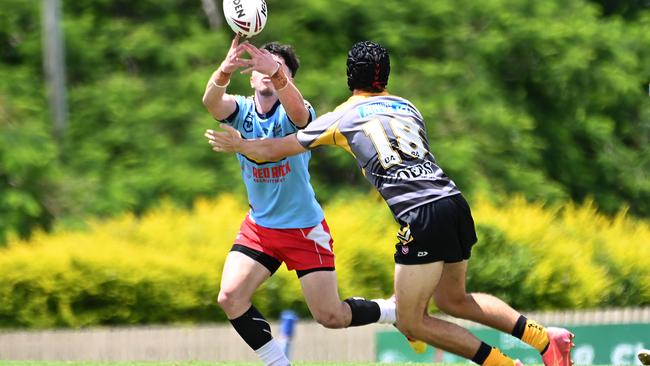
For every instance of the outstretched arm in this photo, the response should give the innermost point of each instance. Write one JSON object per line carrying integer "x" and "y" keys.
{"x": 215, "y": 99}
{"x": 268, "y": 149}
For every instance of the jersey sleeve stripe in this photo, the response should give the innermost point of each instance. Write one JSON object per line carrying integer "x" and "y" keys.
{"x": 327, "y": 137}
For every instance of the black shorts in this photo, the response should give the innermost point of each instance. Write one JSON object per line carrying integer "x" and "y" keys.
{"x": 442, "y": 230}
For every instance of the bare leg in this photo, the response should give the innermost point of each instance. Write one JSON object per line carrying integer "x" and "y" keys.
{"x": 240, "y": 277}
{"x": 322, "y": 296}
{"x": 414, "y": 287}
{"x": 450, "y": 297}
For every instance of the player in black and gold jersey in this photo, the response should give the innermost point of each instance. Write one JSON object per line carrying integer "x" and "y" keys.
{"x": 387, "y": 136}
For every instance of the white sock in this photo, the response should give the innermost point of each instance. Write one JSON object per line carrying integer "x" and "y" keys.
{"x": 387, "y": 311}
{"x": 272, "y": 355}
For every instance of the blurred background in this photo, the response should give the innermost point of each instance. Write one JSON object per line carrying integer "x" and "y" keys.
{"x": 114, "y": 211}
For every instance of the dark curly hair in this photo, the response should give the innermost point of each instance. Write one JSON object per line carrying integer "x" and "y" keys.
{"x": 368, "y": 67}
{"x": 287, "y": 53}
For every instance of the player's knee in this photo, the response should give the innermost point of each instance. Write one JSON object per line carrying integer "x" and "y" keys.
{"x": 225, "y": 300}
{"x": 409, "y": 329}
{"x": 230, "y": 301}
{"x": 450, "y": 304}
{"x": 444, "y": 304}
{"x": 329, "y": 319}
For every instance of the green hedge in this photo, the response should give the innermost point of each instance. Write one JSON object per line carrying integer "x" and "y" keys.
{"x": 164, "y": 267}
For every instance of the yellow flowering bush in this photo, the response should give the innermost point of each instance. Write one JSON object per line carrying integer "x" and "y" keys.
{"x": 164, "y": 266}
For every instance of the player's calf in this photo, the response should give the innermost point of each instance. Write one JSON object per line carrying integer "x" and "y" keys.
{"x": 333, "y": 318}
{"x": 371, "y": 311}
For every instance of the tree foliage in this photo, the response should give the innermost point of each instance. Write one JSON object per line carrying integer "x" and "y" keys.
{"x": 547, "y": 99}
{"x": 629, "y": 9}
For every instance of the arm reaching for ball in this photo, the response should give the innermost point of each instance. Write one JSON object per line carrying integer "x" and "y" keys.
{"x": 268, "y": 149}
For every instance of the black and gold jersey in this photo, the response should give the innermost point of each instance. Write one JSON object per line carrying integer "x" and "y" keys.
{"x": 387, "y": 136}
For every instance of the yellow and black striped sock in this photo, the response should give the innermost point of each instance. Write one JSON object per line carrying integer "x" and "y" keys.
{"x": 496, "y": 358}
{"x": 482, "y": 353}
{"x": 532, "y": 333}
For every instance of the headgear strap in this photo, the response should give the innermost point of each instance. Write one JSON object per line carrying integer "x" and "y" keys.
{"x": 376, "y": 84}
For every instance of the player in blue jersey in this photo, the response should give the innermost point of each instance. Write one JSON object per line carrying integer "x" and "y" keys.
{"x": 285, "y": 222}
{"x": 386, "y": 134}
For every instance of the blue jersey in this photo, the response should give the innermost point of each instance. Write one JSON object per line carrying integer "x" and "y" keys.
{"x": 279, "y": 193}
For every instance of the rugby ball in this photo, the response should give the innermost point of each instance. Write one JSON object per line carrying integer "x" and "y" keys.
{"x": 245, "y": 17}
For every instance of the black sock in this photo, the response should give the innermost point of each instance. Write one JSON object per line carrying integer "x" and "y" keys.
{"x": 520, "y": 326}
{"x": 253, "y": 328}
{"x": 482, "y": 353}
{"x": 363, "y": 311}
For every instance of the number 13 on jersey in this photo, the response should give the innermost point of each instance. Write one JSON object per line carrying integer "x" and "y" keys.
{"x": 407, "y": 134}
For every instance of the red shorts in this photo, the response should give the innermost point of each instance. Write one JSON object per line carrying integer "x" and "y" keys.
{"x": 300, "y": 249}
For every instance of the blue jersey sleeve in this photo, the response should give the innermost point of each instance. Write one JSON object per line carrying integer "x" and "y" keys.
{"x": 237, "y": 117}
{"x": 312, "y": 116}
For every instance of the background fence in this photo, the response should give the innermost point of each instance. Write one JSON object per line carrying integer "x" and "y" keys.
{"x": 220, "y": 342}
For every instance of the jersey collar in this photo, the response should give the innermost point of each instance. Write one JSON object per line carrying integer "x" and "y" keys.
{"x": 363, "y": 94}
{"x": 359, "y": 96}
{"x": 270, "y": 112}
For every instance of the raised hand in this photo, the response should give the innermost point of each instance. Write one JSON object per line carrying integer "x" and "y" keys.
{"x": 261, "y": 60}
{"x": 233, "y": 59}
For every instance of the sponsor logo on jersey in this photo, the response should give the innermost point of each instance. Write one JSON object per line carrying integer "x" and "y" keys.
{"x": 422, "y": 254}
{"x": 404, "y": 235}
{"x": 274, "y": 174}
{"x": 427, "y": 169}
{"x": 384, "y": 107}
{"x": 277, "y": 131}
{"x": 248, "y": 122}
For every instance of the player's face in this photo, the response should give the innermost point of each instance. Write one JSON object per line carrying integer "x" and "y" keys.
{"x": 262, "y": 83}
